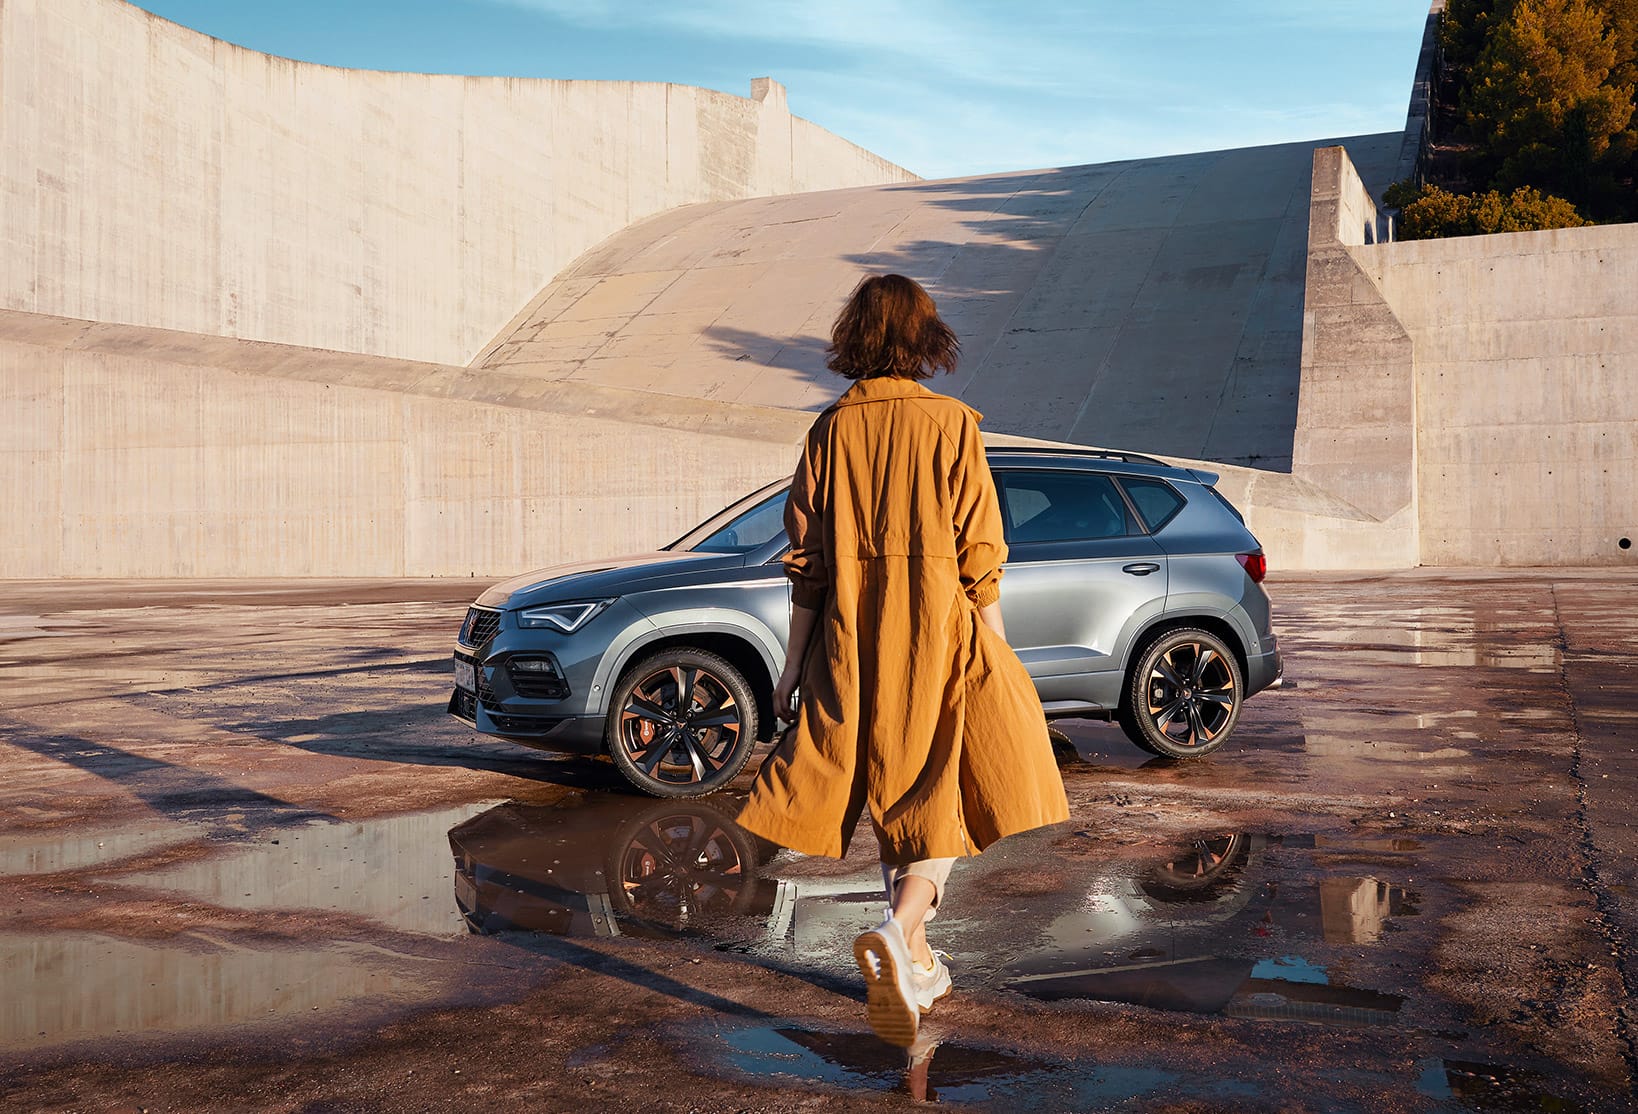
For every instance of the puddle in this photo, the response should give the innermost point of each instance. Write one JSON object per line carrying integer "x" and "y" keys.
{"x": 1441, "y": 637}
{"x": 931, "y": 1071}
{"x": 1202, "y": 931}
{"x": 1490, "y": 1087}
{"x": 599, "y": 865}
{"x": 51, "y": 853}
{"x": 395, "y": 871}
{"x": 1207, "y": 927}
{"x": 69, "y": 987}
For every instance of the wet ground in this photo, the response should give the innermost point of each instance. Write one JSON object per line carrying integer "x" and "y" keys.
{"x": 247, "y": 863}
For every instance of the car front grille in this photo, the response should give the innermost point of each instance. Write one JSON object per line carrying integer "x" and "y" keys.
{"x": 463, "y": 705}
{"x": 523, "y": 725}
{"x": 480, "y": 625}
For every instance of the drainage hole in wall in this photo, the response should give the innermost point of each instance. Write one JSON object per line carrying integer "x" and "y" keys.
{"x": 1625, "y": 543}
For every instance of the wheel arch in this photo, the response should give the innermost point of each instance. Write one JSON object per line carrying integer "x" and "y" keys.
{"x": 738, "y": 647}
{"x": 1211, "y": 624}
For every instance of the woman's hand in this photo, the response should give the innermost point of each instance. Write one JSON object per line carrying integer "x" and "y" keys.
{"x": 803, "y": 620}
{"x": 784, "y": 699}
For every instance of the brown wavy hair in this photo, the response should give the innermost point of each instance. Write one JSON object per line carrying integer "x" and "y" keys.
{"x": 891, "y": 326}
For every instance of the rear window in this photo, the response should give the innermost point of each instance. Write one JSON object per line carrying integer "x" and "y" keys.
{"x": 1223, "y": 499}
{"x": 1156, "y": 500}
{"x": 1063, "y": 506}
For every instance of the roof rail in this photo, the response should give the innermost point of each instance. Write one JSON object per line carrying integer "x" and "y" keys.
{"x": 1054, "y": 450}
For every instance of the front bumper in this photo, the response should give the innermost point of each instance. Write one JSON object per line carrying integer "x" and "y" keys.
{"x": 571, "y": 734}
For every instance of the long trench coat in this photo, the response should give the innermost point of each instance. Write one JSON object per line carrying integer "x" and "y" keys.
{"x": 910, "y": 705}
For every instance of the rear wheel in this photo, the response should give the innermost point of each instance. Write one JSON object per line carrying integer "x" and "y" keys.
{"x": 1184, "y": 694}
{"x": 681, "y": 723}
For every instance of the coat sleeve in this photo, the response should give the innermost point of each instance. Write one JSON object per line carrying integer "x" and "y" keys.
{"x": 980, "y": 550}
{"x": 806, "y": 563}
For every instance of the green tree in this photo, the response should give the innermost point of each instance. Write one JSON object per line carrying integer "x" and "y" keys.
{"x": 1623, "y": 20}
{"x": 1465, "y": 28}
{"x": 1539, "y": 100}
{"x": 1428, "y": 212}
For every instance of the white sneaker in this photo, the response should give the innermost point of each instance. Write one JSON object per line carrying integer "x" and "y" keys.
{"x": 891, "y": 1003}
{"x": 931, "y": 985}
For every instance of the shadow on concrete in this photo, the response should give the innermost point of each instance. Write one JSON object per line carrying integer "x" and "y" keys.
{"x": 183, "y": 794}
{"x": 393, "y": 734}
{"x": 1153, "y": 305}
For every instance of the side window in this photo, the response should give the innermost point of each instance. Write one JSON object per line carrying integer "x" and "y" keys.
{"x": 1063, "y": 506}
{"x": 755, "y": 528}
{"x": 1156, "y": 500}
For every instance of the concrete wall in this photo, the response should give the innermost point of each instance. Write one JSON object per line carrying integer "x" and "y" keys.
{"x": 131, "y": 452}
{"x": 1474, "y": 394}
{"x": 1356, "y": 411}
{"x": 141, "y": 452}
{"x": 152, "y": 175}
{"x": 1153, "y": 304}
{"x": 1526, "y": 364}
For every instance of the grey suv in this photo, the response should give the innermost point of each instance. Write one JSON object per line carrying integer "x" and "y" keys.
{"x": 1133, "y": 591}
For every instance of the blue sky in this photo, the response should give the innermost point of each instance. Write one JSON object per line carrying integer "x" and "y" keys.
{"x": 944, "y": 87}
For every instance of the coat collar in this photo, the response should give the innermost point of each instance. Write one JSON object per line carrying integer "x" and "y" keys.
{"x": 883, "y": 388}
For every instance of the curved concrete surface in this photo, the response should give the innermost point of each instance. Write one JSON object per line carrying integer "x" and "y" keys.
{"x": 1154, "y": 305}
{"x": 154, "y": 176}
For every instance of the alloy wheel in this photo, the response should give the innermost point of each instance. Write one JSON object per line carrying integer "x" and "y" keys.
{"x": 1183, "y": 694}
{"x": 683, "y": 723}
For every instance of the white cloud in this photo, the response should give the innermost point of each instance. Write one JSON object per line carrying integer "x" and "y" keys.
{"x": 1055, "y": 49}
{"x": 953, "y": 87}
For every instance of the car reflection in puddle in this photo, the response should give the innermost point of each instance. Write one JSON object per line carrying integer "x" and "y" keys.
{"x": 610, "y": 866}
{"x": 1166, "y": 938}
{"x": 1198, "y": 931}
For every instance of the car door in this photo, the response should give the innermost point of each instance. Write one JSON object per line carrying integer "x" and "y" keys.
{"x": 1081, "y": 573}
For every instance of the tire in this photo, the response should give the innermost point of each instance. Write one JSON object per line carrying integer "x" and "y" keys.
{"x": 1183, "y": 696}
{"x": 687, "y": 751}
{"x": 1200, "y": 872}
{"x": 1063, "y": 748}
{"x": 681, "y": 866}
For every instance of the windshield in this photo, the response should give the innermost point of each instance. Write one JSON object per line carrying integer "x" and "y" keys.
{"x": 749, "y": 524}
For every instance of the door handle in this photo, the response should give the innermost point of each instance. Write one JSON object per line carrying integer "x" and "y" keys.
{"x": 1141, "y": 568}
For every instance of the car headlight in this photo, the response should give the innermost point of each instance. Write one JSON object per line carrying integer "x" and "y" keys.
{"x": 566, "y": 617}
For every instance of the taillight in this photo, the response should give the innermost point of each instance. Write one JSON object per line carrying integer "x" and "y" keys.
{"x": 1255, "y": 564}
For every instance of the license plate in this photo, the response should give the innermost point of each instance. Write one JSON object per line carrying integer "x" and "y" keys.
{"x": 466, "y": 677}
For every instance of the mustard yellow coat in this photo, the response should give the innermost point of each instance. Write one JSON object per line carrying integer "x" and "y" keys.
{"x": 910, "y": 705}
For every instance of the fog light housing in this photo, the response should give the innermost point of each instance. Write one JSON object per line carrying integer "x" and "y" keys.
{"x": 537, "y": 677}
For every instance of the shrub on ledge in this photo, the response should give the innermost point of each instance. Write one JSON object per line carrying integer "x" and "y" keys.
{"x": 1428, "y": 212}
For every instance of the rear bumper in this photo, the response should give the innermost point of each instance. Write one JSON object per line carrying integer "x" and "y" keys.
{"x": 1265, "y": 670}
{"x": 570, "y": 734}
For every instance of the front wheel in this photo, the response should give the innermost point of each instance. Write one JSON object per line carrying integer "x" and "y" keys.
{"x": 681, "y": 723}
{"x": 1184, "y": 694}
{"x": 682, "y": 866}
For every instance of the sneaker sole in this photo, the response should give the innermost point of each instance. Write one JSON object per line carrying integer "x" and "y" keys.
{"x": 893, "y": 1019}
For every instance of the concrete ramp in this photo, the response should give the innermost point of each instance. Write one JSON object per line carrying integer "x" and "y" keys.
{"x": 1153, "y": 305}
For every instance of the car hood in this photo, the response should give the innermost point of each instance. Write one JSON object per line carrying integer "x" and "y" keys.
{"x": 610, "y": 577}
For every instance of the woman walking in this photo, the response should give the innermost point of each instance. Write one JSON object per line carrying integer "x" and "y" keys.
{"x": 912, "y": 704}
